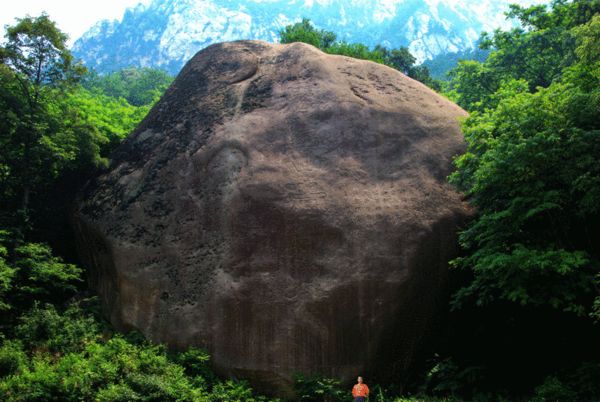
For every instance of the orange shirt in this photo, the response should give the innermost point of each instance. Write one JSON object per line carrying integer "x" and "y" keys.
{"x": 360, "y": 390}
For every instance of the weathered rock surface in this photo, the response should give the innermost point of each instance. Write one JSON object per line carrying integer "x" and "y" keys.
{"x": 286, "y": 209}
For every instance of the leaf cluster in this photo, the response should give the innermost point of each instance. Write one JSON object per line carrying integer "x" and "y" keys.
{"x": 529, "y": 289}
{"x": 531, "y": 170}
{"x": 401, "y": 59}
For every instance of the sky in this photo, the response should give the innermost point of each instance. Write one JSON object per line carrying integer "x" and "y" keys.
{"x": 73, "y": 17}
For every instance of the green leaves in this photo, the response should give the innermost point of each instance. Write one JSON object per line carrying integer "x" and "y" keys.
{"x": 70, "y": 356}
{"x": 306, "y": 32}
{"x": 531, "y": 168}
{"x": 137, "y": 86}
{"x": 529, "y": 277}
{"x": 553, "y": 40}
{"x": 7, "y": 276}
{"x": 36, "y": 50}
{"x": 52, "y": 130}
{"x": 401, "y": 59}
{"x": 43, "y": 274}
{"x": 32, "y": 274}
{"x": 36, "y": 69}
{"x": 313, "y": 389}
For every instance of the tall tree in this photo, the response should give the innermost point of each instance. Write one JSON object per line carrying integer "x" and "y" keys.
{"x": 538, "y": 52}
{"x": 531, "y": 259}
{"x": 36, "y": 67}
{"x": 306, "y": 32}
{"x": 401, "y": 59}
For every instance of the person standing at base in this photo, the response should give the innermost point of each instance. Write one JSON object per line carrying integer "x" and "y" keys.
{"x": 360, "y": 391}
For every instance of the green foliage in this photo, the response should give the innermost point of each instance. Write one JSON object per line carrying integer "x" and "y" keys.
{"x": 441, "y": 64}
{"x": 35, "y": 68}
{"x": 46, "y": 328}
{"x": 306, "y": 32}
{"x": 12, "y": 358}
{"x": 33, "y": 274}
{"x": 595, "y": 314}
{"x": 49, "y": 353}
{"x": 112, "y": 371}
{"x": 111, "y": 118}
{"x": 54, "y": 131}
{"x": 471, "y": 85}
{"x": 355, "y": 50}
{"x": 234, "y": 391}
{"x": 36, "y": 50}
{"x": 196, "y": 363}
{"x": 531, "y": 171}
{"x": 531, "y": 258}
{"x": 539, "y": 52}
{"x": 448, "y": 378}
{"x": 319, "y": 389}
{"x": 400, "y": 59}
{"x": 7, "y": 274}
{"x": 137, "y": 86}
{"x": 42, "y": 276}
{"x": 69, "y": 356}
{"x": 553, "y": 390}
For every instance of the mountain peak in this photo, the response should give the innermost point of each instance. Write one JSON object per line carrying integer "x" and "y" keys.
{"x": 167, "y": 33}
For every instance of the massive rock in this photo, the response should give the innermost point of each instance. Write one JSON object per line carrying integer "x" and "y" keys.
{"x": 286, "y": 209}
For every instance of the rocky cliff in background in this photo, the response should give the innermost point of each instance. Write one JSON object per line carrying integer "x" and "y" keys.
{"x": 167, "y": 33}
{"x": 286, "y": 209}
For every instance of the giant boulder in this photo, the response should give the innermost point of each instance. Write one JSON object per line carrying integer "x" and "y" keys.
{"x": 286, "y": 209}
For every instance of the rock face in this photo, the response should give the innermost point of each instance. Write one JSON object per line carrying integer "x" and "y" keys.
{"x": 286, "y": 209}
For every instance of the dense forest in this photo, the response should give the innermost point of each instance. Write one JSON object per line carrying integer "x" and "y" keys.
{"x": 524, "y": 313}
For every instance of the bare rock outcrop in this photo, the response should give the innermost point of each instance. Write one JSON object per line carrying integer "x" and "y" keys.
{"x": 286, "y": 209}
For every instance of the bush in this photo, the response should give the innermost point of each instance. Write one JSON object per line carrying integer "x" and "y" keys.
{"x": 196, "y": 363}
{"x": 12, "y": 357}
{"x": 317, "y": 389}
{"x": 553, "y": 390}
{"x": 45, "y": 327}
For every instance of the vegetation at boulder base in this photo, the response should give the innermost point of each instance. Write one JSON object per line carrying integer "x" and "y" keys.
{"x": 524, "y": 313}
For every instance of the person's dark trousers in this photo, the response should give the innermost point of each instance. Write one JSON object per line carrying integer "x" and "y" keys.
{"x": 360, "y": 399}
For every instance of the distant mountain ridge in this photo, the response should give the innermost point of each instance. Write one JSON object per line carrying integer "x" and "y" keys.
{"x": 167, "y": 33}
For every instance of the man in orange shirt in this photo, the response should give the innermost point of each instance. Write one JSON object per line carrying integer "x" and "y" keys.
{"x": 360, "y": 391}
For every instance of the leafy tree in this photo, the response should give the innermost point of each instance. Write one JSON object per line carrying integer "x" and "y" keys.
{"x": 7, "y": 275}
{"x": 531, "y": 171}
{"x": 306, "y": 32}
{"x": 539, "y": 52}
{"x": 45, "y": 327}
{"x": 32, "y": 274}
{"x": 400, "y": 59}
{"x": 472, "y": 85}
{"x": 531, "y": 260}
{"x": 54, "y": 133}
{"x": 355, "y": 50}
{"x": 138, "y": 86}
{"x": 110, "y": 118}
{"x": 36, "y": 58}
{"x": 441, "y": 64}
